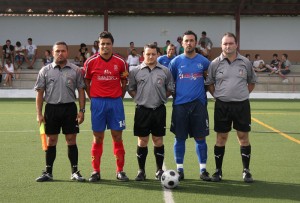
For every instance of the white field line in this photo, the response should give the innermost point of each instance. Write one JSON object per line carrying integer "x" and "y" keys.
{"x": 168, "y": 196}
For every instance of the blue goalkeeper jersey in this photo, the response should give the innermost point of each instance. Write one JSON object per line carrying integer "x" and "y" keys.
{"x": 188, "y": 77}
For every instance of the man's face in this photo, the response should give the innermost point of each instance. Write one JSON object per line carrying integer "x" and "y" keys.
{"x": 105, "y": 47}
{"x": 29, "y": 42}
{"x": 228, "y": 45}
{"x": 60, "y": 54}
{"x": 170, "y": 51}
{"x": 150, "y": 56}
{"x": 189, "y": 43}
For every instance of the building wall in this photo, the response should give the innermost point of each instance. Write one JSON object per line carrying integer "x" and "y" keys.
{"x": 262, "y": 35}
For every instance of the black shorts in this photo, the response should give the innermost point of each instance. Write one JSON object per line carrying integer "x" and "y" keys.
{"x": 190, "y": 119}
{"x": 147, "y": 120}
{"x": 59, "y": 116}
{"x": 232, "y": 113}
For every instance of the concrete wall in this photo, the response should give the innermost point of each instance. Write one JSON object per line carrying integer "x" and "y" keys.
{"x": 263, "y": 35}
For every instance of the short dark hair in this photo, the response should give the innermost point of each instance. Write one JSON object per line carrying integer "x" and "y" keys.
{"x": 230, "y": 34}
{"x": 61, "y": 43}
{"x": 285, "y": 55}
{"x": 256, "y": 55}
{"x": 204, "y": 33}
{"x": 150, "y": 46}
{"x": 190, "y": 32}
{"x": 30, "y": 39}
{"x": 106, "y": 35}
{"x": 18, "y": 43}
{"x": 276, "y": 55}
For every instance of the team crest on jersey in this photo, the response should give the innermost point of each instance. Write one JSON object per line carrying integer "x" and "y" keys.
{"x": 200, "y": 66}
{"x": 107, "y": 72}
{"x": 116, "y": 68}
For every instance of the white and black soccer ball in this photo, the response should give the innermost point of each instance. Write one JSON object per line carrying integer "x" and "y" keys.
{"x": 170, "y": 179}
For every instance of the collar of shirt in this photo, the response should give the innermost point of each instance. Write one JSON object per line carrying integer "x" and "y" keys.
{"x": 54, "y": 65}
{"x": 238, "y": 57}
{"x": 143, "y": 65}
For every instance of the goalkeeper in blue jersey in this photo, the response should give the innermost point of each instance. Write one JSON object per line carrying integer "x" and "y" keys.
{"x": 189, "y": 116}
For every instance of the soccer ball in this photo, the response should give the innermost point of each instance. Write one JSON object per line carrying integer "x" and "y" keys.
{"x": 170, "y": 179}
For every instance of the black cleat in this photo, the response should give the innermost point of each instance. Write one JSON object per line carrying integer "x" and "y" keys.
{"x": 181, "y": 175}
{"x": 77, "y": 176}
{"x": 247, "y": 176}
{"x": 205, "y": 176}
{"x": 44, "y": 177}
{"x": 158, "y": 174}
{"x": 141, "y": 176}
{"x": 121, "y": 176}
{"x": 95, "y": 177}
{"x": 217, "y": 176}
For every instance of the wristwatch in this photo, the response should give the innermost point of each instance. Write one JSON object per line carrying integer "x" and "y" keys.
{"x": 82, "y": 110}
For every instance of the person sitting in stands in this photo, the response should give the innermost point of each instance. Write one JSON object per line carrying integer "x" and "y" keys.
{"x": 274, "y": 63}
{"x": 30, "y": 53}
{"x": 8, "y": 51}
{"x": 95, "y": 48}
{"x": 284, "y": 68}
{"x": 83, "y": 53}
{"x": 260, "y": 66}
{"x": 48, "y": 58}
{"x": 133, "y": 59}
{"x": 9, "y": 70}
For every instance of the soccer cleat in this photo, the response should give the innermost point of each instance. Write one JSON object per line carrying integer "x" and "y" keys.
{"x": 217, "y": 176}
{"x": 181, "y": 175}
{"x": 121, "y": 176}
{"x": 77, "y": 176}
{"x": 95, "y": 177}
{"x": 247, "y": 176}
{"x": 141, "y": 176}
{"x": 205, "y": 176}
{"x": 158, "y": 174}
{"x": 44, "y": 177}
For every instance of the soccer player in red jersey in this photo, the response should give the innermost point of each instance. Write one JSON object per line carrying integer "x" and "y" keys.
{"x": 105, "y": 79}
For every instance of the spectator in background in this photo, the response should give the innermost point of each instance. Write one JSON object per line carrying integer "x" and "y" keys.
{"x": 19, "y": 54}
{"x": 284, "y": 68}
{"x": 19, "y": 58}
{"x": 83, "y": 53}
{"x": 166, "y": 59}
{"x": 47, "y": 58}
{"x": 165, "y": 47}
{"x": 131, "y": 46}
{"x": 203, "y": 49}
{"x": 142, "y": 57}
{"x": 178, "y": 46}
{"x": 9, "y": 70}
{"x": 7, "y": 52}
{"x": 275, "y": 63}
{"x": 30, "y": 53}
{"x": 260, "y": 66}
{"x": 204, "y": 38}
{"x": 133, "y": 60}
{"x": 77, "y": 61}
{"x": 95, "y": 48}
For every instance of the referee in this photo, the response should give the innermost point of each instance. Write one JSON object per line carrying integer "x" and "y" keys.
{"x": 57, "y": 83}
{"x": 231, "y": 79}
{"x": 150, "y": 84}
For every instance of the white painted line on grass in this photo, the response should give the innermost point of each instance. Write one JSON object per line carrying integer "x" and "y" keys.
{"x": 168, "y": 196}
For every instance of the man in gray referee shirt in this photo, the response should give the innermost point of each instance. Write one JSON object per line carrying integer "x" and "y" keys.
{"x": 150, "y": 84}
{"x": 231, "y": 79}
{"x": 58, "y": 81}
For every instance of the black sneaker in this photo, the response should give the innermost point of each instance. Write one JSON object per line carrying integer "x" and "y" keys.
{"x": 158, "y": 174}
{"x": 141, "y": 176}
{"x": 77, "y": 176}
{"x": 181, "y": 175}
{"x": 44, "y": 177}
{"x": 247, "y": 176}
{"x": 121, "y": 176}
{"x": 217, "y": 176}
{"x": 205, "y": 176}
{"x": 95, "y": 177}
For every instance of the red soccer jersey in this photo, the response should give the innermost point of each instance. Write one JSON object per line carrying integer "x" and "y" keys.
{"x": 105, "y": 75}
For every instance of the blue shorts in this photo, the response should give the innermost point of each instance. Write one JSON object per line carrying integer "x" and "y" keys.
{"x": 107, "y": 112}
{"x": 190, "y": 119}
